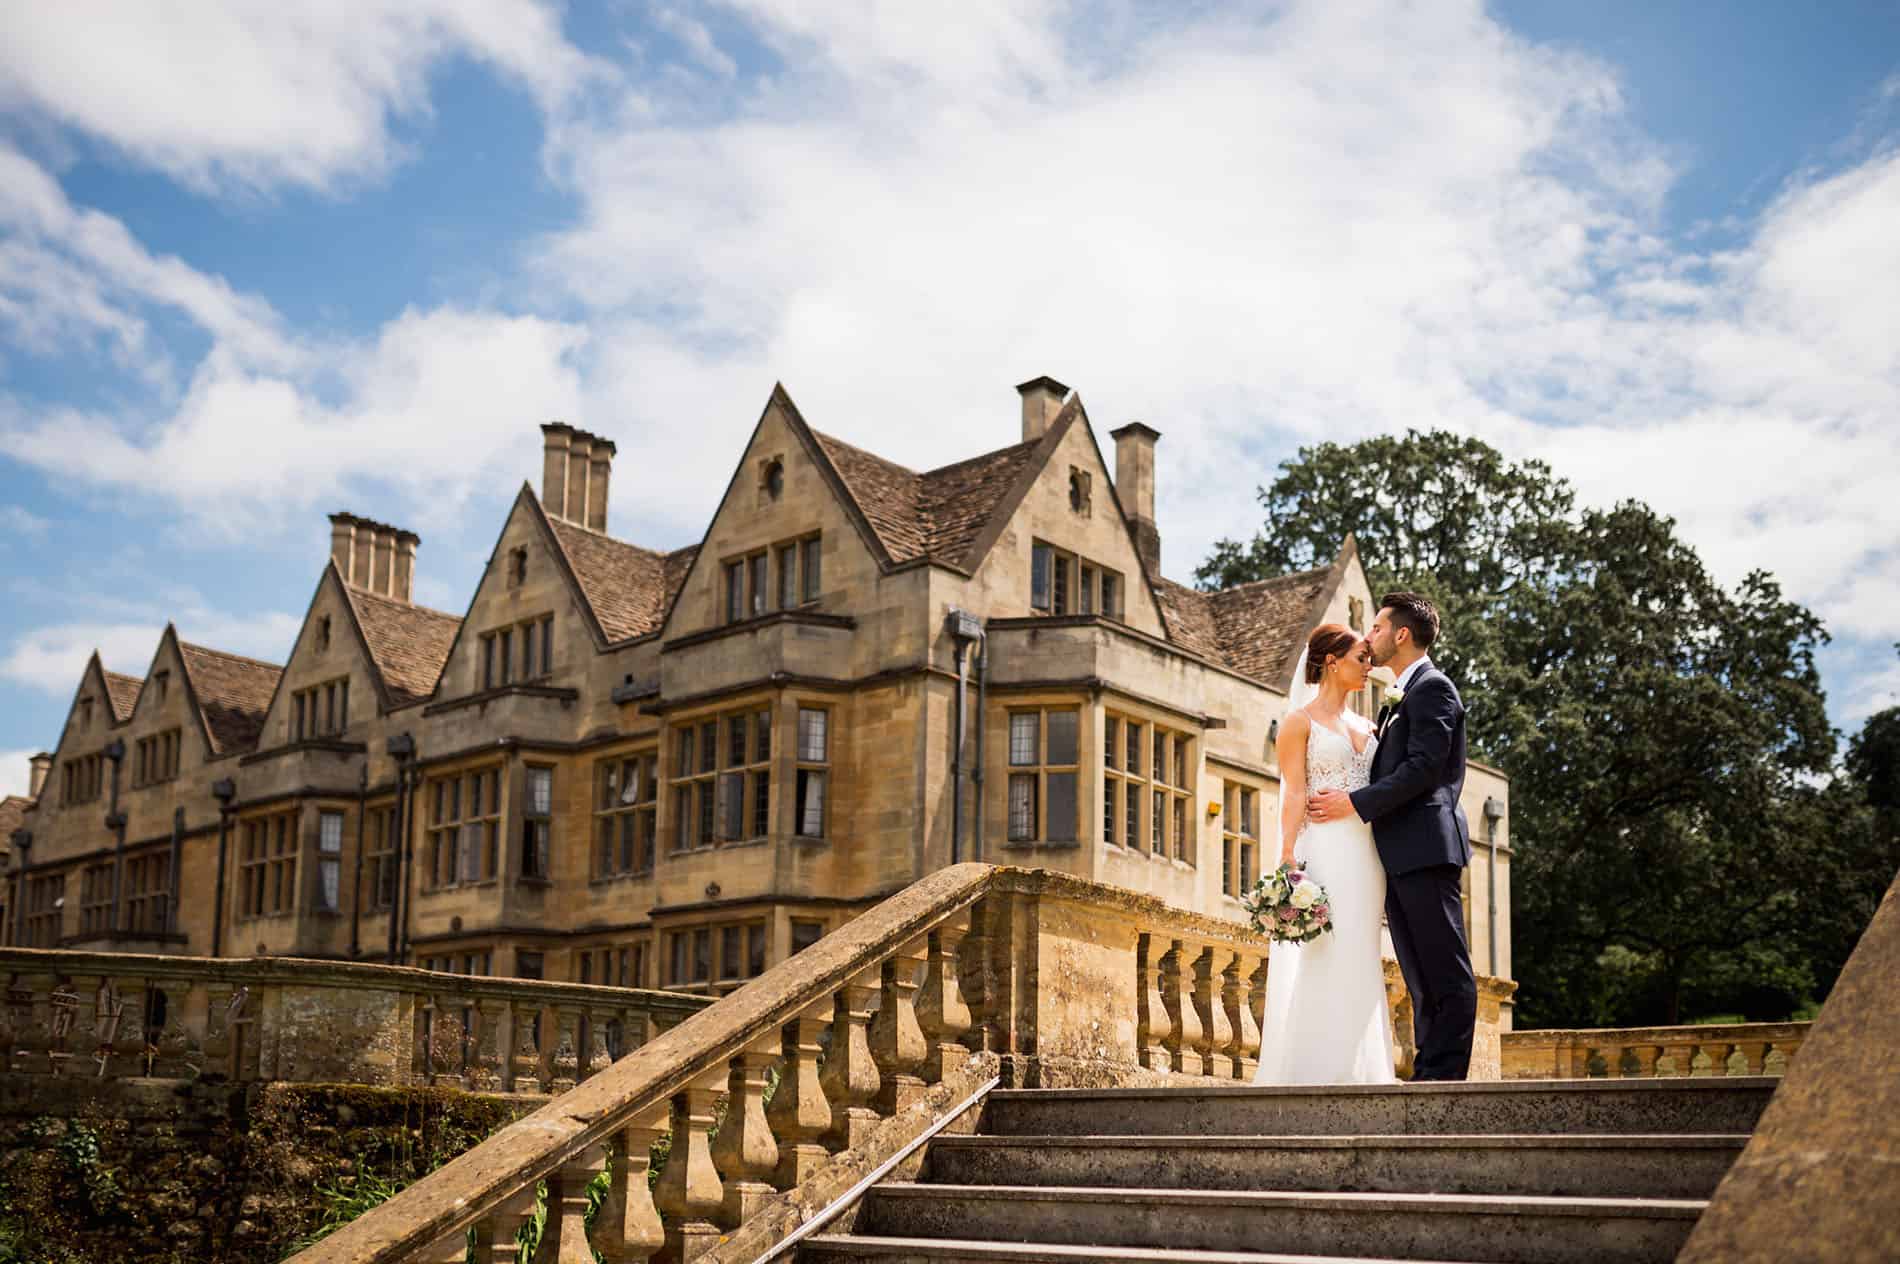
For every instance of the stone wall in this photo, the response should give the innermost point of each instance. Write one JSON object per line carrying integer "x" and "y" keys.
{"x": 172, "y": 1171}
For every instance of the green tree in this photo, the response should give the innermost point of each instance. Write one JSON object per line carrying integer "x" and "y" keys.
{"x": 1662, "y": 733}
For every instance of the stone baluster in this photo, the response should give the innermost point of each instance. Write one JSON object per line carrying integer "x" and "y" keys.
{"x": 564, "y": 1230}
{"x": 1184, "y": 1025}
{"x": 524, "y": 1051}
{"x": 181, "y": 1045}
{"x": 564, "y": 1057}
{"x": 1775, "y": 1061}
{"x": 498, "y": 1236}
{"x": 598, "y": 1056}
{"x": 445, "y": 1040}
{"x": 897, "y": 1039}
{"x": 1646, "y": 1057}
{"x": 1151, "y": 1011}
{"x": 1243, "y": 1049}
{"x": 231, "y": 1044}
{"x": 18, "y": 1026}
{"x": 63, "y": 1018}
{"x": 627, "y": 1227}
{"x": 484, "y": 1054}
{"x": 689, "y": 1193}
{"x": 800, "y": 1116}
{"x": 973, "y": 980}
{"x": 1752, "y": 1052}
{"x": 1681, "y": 1056}
{"x": 744, "y": 1151}
{"x": 941, "y": 1011}
{"x": 109, "y": 1004}
{"x": 850, "y": 1077}
{"x": 132, "y": 1045}
{"x": 1216, "y": 1032}
{"x": 1718, "y": 1051}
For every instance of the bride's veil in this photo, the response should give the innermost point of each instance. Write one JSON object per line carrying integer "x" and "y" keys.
{"x": 1298, "y": 694}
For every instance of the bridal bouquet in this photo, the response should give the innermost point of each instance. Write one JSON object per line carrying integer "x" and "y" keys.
{"x": 1286, "y": 904}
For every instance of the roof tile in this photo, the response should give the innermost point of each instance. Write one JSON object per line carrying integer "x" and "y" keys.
{"x": 628, "y": 587}
{"x": 938, "y": 514}
{"x": 233, "y": 694}
{"x": 12, "y": 816}
{"x": 1254, "y": 629}
{"x": 123, "y": 693}
{"x": 408, "y": 644}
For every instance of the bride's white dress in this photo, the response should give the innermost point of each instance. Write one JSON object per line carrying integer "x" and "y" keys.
{"x": 1326, "y": 1018}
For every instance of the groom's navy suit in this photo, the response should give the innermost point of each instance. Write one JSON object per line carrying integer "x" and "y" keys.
{"x": 1424, "y": 843}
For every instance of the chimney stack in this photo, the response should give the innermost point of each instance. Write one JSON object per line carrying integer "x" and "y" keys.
{"x": 1042, "y": 400}
{"x": 1135, "y": 486}
{"x": 39, "y": 765}
{"x": 374, "y": 556}
{"x": 576, "y": 468}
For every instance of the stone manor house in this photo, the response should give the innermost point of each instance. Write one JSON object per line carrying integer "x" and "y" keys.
{"x": 673, "y": 769}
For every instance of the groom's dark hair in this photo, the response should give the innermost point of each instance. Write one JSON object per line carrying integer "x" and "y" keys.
{"x": 1414, "y": 612}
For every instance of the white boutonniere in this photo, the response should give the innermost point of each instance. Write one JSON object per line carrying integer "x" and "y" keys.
{"x": 1394, "y": 696}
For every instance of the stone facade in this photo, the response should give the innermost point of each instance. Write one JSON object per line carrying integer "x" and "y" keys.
{"x": 674, "y": 769}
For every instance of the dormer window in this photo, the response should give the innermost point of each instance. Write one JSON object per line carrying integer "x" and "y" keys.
{"x": 321, "y": 710}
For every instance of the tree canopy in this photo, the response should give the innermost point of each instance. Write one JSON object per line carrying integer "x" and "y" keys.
{"x": 1666, "y": 737}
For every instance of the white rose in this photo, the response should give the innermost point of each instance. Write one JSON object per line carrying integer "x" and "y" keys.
{"x": 1305, "y": 895}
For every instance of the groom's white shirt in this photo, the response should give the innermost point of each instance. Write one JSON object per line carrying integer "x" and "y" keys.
{"x": 1405, "y": 681}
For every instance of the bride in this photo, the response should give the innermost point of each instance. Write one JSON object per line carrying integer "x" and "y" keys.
{"x": 1326, "y": 1018}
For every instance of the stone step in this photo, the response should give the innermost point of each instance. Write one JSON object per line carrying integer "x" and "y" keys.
{"x": 1630, "y": 1166}
{"x": 830, "y": 1248}
{"x": 1489, "y": 1229}
{"x": 1726, "y": 1105}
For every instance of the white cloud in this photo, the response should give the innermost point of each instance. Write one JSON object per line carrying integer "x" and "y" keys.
{"x": 15, "y": 773}
{"x": 1867, "y": 692}
{"x": 257, "y": 95}
{"x": 50, "y": 659}
{"x": 1248, "y": 228}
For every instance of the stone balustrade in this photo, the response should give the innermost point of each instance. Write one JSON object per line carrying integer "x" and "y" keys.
{"x": 973, "y": 976}
{"x": 110, "y": 1014}
{"x": 1633, "y": 1052}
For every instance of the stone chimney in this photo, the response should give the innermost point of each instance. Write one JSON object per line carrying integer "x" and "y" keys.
{"x": 374, "y": 556}
{"x": 1042, "y": 400}
{"x": 576, "y": 468}
{"x": 1135, "y": 486}
{"x": 38, "y": 766}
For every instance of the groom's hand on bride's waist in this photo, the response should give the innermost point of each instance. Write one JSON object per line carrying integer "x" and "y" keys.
{"x": 1330, "y": 805}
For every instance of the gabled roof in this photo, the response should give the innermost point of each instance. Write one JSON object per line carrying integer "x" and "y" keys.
{"x": 407, "y": 644}
{"x": 1255, "y": 629}
{"x": 629, "y": 588}
{"x": 937, "y": 515}
{"x": 123, "y": 693}
{"x": 233, "y": 693}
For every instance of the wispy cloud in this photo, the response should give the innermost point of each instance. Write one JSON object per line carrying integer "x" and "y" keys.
{"x": 251, "y": 98}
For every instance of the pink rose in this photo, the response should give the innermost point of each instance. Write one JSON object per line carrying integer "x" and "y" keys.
{"x": 1288, "y": 914}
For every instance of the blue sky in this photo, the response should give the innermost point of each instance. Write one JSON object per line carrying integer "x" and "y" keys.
{"x": 263, "y": 263}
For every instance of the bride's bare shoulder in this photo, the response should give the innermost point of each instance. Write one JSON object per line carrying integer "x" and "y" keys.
{"x": 1296, "y": 722}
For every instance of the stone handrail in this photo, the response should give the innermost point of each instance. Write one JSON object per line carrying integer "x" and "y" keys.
{"x": 1630, "y": 1052}
{"x": 1067, "y": 982}
{"x": 110, "y": 1014}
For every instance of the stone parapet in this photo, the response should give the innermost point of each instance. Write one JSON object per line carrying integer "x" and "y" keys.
{"x": 1624, "y": 1052}
{"x": 1028, "y": 977}
{"x": 70, "y": 1012}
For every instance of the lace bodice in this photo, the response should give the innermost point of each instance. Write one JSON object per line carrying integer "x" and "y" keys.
{"x": 1331, "y": 762}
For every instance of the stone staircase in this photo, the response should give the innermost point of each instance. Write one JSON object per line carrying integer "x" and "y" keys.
{"x": 1537, "y": 1171}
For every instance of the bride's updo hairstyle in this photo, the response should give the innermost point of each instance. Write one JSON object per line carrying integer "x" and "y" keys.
{"x": 1329, "y": 640}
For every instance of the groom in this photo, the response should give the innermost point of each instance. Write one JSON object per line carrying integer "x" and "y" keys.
{"x": 1424, "y": 841}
